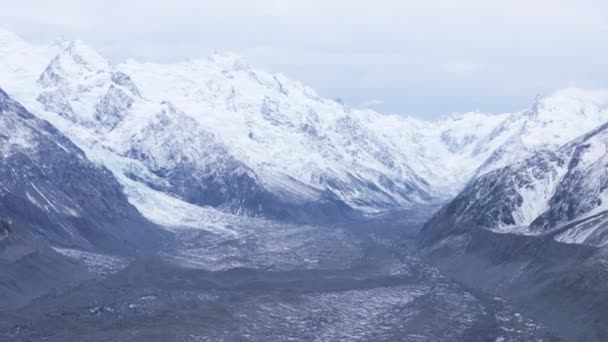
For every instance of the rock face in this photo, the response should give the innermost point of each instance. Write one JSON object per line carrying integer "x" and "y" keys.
{"x": 582, "y": 191}
{"x": 52, "y": 192}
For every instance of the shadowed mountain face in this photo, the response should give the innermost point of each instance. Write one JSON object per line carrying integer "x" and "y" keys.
{"x": 559, "y": 193}
{"x": 50, "y": 191}
{"x": 51, "y": 195}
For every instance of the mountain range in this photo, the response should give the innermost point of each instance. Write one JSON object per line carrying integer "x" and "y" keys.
{"x": 216, "y": 132}
{"x": 555, "y": 190}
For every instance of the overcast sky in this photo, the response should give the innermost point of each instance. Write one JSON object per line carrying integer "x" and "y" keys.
{"x": 424, "y": 58}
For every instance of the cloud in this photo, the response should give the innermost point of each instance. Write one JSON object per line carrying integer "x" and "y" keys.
{"x": 425, "y": 57}
{"x": 459, "y": 68}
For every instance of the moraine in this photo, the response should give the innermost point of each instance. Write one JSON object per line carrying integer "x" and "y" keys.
{"x": 283, "y": 283}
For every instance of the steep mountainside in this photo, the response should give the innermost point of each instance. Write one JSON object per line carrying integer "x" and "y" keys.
{"x": 52, "y": 193}
{"x": 550, "y": 122}
{"x": 558, "y": 192}
{"x": 243, "y": 141}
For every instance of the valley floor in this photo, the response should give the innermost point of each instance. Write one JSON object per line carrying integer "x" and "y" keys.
{"x": 360, "y": 282}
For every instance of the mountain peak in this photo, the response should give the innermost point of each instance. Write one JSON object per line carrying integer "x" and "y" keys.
{"x": 229, "y": 60}
{"x": 85, "y": 55}
{"x": 571, "y": 101}
{"x": 61, "y": 43}
{"x": 76, "y": 61}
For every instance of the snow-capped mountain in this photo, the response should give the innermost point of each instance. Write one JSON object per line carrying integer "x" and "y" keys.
{"x": 559, "y": 192}
{"x": 52, "y": 193}
{"x": 215, "y": 132}
{"x": 218, "y": 132}
{"x": 581, "y": 196}
{"x": 548, "y": 123}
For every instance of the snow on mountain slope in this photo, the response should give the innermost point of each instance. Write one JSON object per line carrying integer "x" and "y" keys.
{"x": 55, "y": 194}
{"x": 583, "y": 190}
{"x": 562, "y": 193}
{"x": 217, "y": 132}
{"x": 443, "y": 152}
{"x": 75, "y": 83}
{"x": 209, "y": 130}
{"x": 21, "y": 64}
{"x": 508, "y": 198}
{"x": 282, "y": 130}
{"x": 550, "y": 122}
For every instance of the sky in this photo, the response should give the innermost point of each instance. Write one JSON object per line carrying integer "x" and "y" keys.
{"x": 421, "y": 58}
